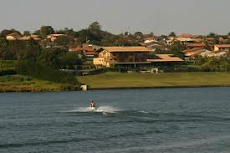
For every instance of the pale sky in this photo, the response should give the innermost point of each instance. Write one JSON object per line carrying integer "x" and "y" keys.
{"x": 117, "y": 16}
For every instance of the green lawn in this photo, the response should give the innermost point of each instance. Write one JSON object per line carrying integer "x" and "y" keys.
{"x": 19, "y": 83}
{"x": 137, "y": 80}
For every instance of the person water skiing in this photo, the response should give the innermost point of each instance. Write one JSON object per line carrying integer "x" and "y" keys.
{"x": 92, "y": 104}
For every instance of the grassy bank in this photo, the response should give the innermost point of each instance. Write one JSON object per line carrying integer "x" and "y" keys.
{"x": 19, "y": 83}
{"x": 137, "y": 80}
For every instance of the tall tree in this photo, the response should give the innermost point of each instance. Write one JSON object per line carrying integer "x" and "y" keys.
{"x": 211, "y": 34}
{"x": 46, "y": 30}
{"x": 172, "y": 34}
{"x": 139, "y": 35}
{"x": 6, "y": 32}
{"x": 95, "y": 26}
{"x": 62, "y": 40}
{"x": 32, "y": 51}
{"x": 3, "y": 49}
{"x": 18, "y": 48}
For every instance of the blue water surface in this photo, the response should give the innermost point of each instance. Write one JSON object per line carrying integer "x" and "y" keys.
{"x": 183, "y": 120}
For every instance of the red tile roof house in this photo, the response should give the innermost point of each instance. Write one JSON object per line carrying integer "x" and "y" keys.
{"x": 54, "y": 36}
{"x": 210, "y": 40}
{"x": 153, "y": 45}
{"x": 186, "y": 38}
{"x": 195, "y": 45}
{"x": 13, "y": 36}
{"x": 16, "y": 36}
{"x": 35, "y": 37}
{"x": 88, "y": 51}
{"x": 222, "y": 40}
{"x": 190, "y": 54}
{"x": 223, "y": 47}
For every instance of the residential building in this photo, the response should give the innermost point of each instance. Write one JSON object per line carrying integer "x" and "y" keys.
{"x": 188, "y": 38}
{"x": 35, "y": 37}
{"x": 191, "y": 53}
{"x": 109, "y": 56}
{"x": 53, "y": 37}
{"x": 16, "y": 36}
{"x": 169, "y": 40}
{"x": 13, "y": 36}
{"x": 223, "y": 41}
{"x": 195, "y": 45}
{"x": 210, "y": 40}
{"x": 223, "y": 47}
{"x": 132, "y": 56}
{"x": 87, "y": 50}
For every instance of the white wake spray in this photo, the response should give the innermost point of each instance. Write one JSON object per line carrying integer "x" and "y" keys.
{"x": 101, "y": 109}
{"x": 107, "y": 109}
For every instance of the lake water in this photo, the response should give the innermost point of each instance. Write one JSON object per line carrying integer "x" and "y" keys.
{"x": 184, "y": 120}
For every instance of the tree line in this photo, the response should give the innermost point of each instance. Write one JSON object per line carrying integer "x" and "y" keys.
{"x": 38, "y": 62}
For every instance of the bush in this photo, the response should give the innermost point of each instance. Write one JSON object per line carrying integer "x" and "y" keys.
{"x": 213, "y": 64}
{"x": 180, "y": 69}
{"x": 8, "y": 65}
{"x": 14, "y": 78}
{"x": 45, "y": 73}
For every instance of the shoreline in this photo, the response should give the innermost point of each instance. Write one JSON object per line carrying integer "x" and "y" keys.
{"x": 161, "y": 87}
{"x": 117, "y": 88}
{"x": 118, "y": 81}
{"x": 165, "y": 80}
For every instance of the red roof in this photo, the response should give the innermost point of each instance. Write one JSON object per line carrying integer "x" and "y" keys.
{"x": 185, "y": 35}
{"x": 90, "y": 53}
{"x": 223, "y": 46}
{"x": 196, "y": 45}
{"x": 192, "y": 50}
{"x": 210, "y": 39}
{"x": 220, "y": 51}
{"x": 78, "y": 48}
{"x": 165, "y": 58}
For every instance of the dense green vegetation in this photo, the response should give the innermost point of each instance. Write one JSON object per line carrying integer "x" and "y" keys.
{"x": 20, "y": 83}
{"x": 213, "y": 64}
{"x": 176, "y": 49}
{"x": 45, "y": 73}
{"x": 8, "y": 65}
{"x": 28, "y": 58}
{"x": 138, "y": 80}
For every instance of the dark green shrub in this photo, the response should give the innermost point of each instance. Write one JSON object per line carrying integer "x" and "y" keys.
{"x": 45, "y": 73}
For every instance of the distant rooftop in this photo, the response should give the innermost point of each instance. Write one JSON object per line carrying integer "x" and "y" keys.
{"x": 165, "y": 58}
{"x": 223, "y": 45}
{"x": 127, "y": 49}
